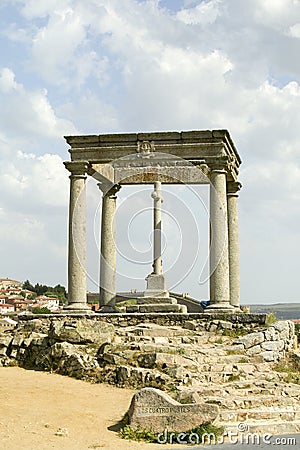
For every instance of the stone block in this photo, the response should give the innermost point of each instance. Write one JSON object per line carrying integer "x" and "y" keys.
{"x": 147, "y": 360}
{"x": 224, "y": 325}
{"x": 281, "y": 325}
{"x": 273, "y": 345}
{"x": 132, "y": 308}
{"x": 160, "y": 308}
{"x": 256, "y": 350}
{"x": 252, "y": 339}
{"x": 5, "y": 340}
{"x": 196, "y": 135}
{"x": 271, "y": 334}
{"x": 270, "y": 356}
{"x": 190, "y": 325}
{"x": 161, "y": 340}
{"x": 156, "y": 286}
{"x": 159, "y": 136}
{"x": 3, "y": 351}
{"x": 82, "y": 331}
{"x": 154, "y": 410}
{"x": 156, "y": 300}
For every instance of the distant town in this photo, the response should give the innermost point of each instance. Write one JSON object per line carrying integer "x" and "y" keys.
{"x": 17, "y": 297}
{"x": 22, "y": 297}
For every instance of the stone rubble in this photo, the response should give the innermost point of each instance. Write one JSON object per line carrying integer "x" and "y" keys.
{"x": 230, "y": 365}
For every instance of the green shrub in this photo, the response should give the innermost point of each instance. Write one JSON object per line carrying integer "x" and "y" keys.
{"x": 43, "y": 310}
{"x": 127, "y": 432}
{"x": 271, "y": 318}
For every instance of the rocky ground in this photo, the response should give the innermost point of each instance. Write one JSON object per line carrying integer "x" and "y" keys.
{"x": 251, "y": 372}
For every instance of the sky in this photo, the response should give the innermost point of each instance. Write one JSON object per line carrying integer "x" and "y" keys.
{"x": 70, "y": 67}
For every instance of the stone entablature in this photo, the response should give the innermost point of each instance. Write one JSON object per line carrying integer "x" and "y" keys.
{"x": 195, "y": 147}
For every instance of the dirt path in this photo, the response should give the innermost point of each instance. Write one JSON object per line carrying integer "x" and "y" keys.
{"x": 35, "y": 405}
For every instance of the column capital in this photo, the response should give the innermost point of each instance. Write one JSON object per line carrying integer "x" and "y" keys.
{"x": 109, "y": 190}
{"x": 219, "y": 164}
{"x": 77, "y": 168}
{"x": 233, "y": 187}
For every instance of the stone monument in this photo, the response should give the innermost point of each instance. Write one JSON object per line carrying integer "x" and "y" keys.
{"x": 187, "y": 157}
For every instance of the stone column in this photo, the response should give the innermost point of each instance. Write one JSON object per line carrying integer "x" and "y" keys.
{"x": 157, "y": 198}
{"x": 219, "y": 265}
{"x": 108, "y": 257}
{"x": 77, "y": 301}
{"x": 233, "y": 242}
{"x": 156, "y": 283}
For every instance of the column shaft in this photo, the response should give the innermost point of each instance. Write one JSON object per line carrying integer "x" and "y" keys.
{"x": 108, "y": 257}
{"x": 77, "y": 238}
{"x": 233, "y": 241}
{"x": 219, "y": 266}
{"x": 157, "y": 261}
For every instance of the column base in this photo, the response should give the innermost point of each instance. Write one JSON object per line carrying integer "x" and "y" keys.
{"x": 77, "y": 308}
{"x": 220, "y": 307}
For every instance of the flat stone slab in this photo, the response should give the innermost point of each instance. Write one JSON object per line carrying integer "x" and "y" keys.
{"x": 153, "y": 410}
{"x": 156, "y": 308}
{"x": 156, "y": 300}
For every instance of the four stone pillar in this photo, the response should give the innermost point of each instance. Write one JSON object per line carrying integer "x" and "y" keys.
{"x": 224, "y": 248}
{"x": 219, "y": 263}
{"x": 77, "y": 237}
{"x": 108, "y": 257}
{"x": 233, "y": 240}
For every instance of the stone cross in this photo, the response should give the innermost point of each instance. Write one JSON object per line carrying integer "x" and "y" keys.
{"x": 157, "y": 201}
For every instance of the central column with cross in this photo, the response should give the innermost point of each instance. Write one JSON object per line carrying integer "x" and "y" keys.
{"x": 156, "y": 283}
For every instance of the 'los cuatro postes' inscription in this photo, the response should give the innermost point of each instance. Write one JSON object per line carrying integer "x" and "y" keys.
{"x": 162, "y": 410}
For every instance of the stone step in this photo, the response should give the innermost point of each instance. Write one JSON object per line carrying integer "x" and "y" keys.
{"x": 245, "y": 389}
{"x": 232, "y": 402}
{"x": 156, "y": 308}
{"x": 231, "y": 376}
{"x": 287, "y": 413}
{"x": 272, "y": 427}
{"x": 156, "y": 300}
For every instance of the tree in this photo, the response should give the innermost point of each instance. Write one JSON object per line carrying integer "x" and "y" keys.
{"x": 41, "y": 310}
{"x": 58, "y": 291}
{"x": 27, "y": 285}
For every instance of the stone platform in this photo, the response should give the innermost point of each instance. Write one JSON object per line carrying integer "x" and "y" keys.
{"x": 156, "y": 305}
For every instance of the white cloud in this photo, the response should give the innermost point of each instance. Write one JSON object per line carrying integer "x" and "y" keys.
{"x": 7, "y": 81}
{"x": 32, "y": 9}
{"x": 28, "y": 112}
{"x": 294, "y": 30}
{"x": 204, "y": 13}
{"x": 278, "y": 14}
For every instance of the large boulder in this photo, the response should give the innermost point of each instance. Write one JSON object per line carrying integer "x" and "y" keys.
{"x": 81, "y": 331}
{"x": 153, "y": 410}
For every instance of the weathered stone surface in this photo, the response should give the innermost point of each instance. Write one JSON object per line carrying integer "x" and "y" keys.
{"x": 273, "y": 345}
{"x": 256, "y": 350}
{"x": 234, "y": 378}
{"x": 157, "y": 308}
{"x": 281, "y": 326}
{"x": 82, "y": 331}
{"x": 152, "y": 409}
{"x": 252, "y": 339}
{"x": 5, "y": 340}
{"x": 224, "y": 325}
{"x": 271, "y": 356}
{"x": 155, "y": 300}
{"x": 271, "y": 334}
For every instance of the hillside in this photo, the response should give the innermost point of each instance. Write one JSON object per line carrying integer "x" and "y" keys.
{"x": 285, "y": 311}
